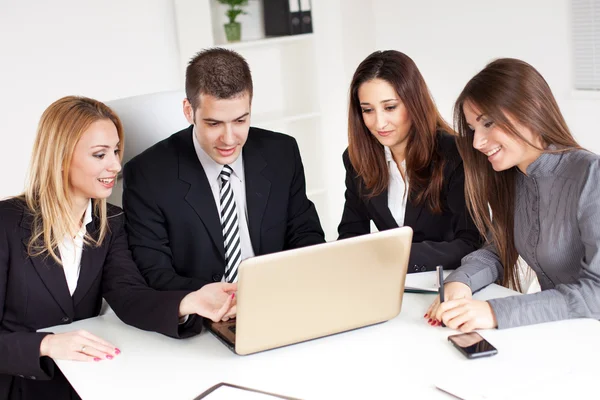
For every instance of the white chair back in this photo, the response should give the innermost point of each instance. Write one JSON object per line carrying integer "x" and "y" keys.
{"x": 147, "y": 119}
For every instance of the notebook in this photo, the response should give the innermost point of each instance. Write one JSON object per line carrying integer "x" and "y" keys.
{"x": 423, "y": 282}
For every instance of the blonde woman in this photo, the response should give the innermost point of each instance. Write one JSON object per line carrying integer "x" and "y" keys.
{"x": 63, "y": 248}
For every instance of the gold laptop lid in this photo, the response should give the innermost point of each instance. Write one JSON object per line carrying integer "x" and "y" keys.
{"x": 302, "y": 294}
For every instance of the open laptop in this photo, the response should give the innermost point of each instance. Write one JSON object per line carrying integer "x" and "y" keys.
{"x": 311, "y": 292}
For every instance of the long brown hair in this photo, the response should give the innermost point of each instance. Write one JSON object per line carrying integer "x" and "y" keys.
{"x": 505, "y": 87}
{"x": 424, "y": 163}
{"x": 47, "y": 192}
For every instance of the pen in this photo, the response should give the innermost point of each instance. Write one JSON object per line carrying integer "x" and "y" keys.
{"x": 440, "y": 271}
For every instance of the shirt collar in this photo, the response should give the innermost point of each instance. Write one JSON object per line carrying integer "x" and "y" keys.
{"x": 545, "y": 164}
{"x": 390, "y": 159}
{"x": 212, "y": 169}
{"x": 87, "y": 218}
{"x": 388, "y": 154}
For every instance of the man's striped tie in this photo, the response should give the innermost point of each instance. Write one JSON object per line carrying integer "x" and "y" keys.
{"x": 231, "y": 229}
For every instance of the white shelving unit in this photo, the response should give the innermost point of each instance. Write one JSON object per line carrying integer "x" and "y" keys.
{"x": 285, "y": 77}
{"x": 272, "y": 41}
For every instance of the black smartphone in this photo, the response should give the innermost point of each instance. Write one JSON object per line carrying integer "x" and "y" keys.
{"x": 472, "y": 345}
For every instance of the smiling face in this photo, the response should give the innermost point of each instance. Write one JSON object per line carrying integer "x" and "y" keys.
{"x": 95, "y": 162}
{"x": 384, "y": 114}
{"x": 222, "y": 125}
{"x": 503, "y": 150}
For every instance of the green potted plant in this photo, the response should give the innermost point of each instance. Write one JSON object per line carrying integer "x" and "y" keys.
{"x": 233, "y": 29}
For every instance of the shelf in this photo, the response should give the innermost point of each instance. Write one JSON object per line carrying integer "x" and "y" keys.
{"x": 281, "y": 117}
{"x": 270, "y": 41}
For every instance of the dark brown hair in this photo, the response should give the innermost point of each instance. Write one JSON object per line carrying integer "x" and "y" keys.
{"x": 217, "y": 72}
{"x": 424, "y": 164}
{"x": 505, "y": 88}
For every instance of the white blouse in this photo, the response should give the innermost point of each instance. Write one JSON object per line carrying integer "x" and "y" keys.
{"x": 397, "y": 189}
{"x": 71, "y": 249}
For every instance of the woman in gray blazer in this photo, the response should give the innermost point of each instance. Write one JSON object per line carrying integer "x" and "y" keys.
{"x": 523, "y": 164}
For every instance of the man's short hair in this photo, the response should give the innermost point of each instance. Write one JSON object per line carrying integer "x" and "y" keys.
{"x": 217, "y": 72}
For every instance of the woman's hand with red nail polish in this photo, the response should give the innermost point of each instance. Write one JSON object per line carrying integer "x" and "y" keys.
{"x": 76, "y": 346}
{"x": 467, "y": 315}
{"x": 453, "y": 291}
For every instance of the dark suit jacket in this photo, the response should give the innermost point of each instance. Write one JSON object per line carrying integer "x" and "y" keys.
{"x": 34, "y": 295}
{"x": 173, "y": 223}
{"x": 441, "y": 239}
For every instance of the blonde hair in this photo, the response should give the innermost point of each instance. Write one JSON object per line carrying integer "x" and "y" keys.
{"x": 47, "y": 191}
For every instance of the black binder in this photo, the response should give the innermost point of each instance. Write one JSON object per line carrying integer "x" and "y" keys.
{"x": 306, "y": 16}
{"x": 282, "y": 17}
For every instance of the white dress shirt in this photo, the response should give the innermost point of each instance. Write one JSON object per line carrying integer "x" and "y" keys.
{"x": 71, "y": 249}
{"x": 397, "y": 189}
{"x": 212, "y": 170}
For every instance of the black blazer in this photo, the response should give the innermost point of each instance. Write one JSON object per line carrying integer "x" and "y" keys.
{"x": 441, "y": 239}
{"x": 34, "y": 295}
{"x": 173, "y": 223}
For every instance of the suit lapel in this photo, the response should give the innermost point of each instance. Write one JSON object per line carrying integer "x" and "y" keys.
{"x": 199, "y": 195}
{"x": 380, "y": 206}
{"x": 257, "y": 189}
{"x": 49, "y": 271}
{"x": 91, "y": 264}
{"x": 412, "y": 214}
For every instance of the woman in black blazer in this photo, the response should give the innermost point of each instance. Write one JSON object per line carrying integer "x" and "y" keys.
{"x": 402, "y": 164}
{"x": 63, "y": 248}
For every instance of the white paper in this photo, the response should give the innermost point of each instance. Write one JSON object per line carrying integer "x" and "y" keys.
{"x": 294, "y": 6}
{"x": 304, "y": 5}
{"x": 562, "y": 383}
{"x": 426, "y": 281}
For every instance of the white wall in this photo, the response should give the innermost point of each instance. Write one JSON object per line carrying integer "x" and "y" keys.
{"x": 345, "y": 36}
{"x": 111, "y": 49}
{"x": 104, "y": 49}
{"x": 452, "y": 40}
{"x": 583, "y": 118}
{"x": 116, "y": 48}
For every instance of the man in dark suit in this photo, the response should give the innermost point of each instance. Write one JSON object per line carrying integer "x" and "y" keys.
{"x": 218, "y": 192}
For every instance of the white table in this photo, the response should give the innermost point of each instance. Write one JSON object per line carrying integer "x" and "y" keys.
{"x": 402, "y": 358}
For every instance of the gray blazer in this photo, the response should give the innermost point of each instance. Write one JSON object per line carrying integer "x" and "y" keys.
{"x": 557, "y": 232}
